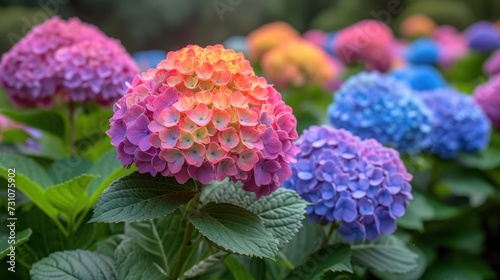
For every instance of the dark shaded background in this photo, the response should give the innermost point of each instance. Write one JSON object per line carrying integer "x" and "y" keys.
{"x": 171, "y": 24}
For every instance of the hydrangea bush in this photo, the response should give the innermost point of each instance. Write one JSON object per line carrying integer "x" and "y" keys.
{"x": 359, "y": 184}
{"x": 372, "y": 105}
{"x": 487, "y": 95}
{"x": 420, "y": 77}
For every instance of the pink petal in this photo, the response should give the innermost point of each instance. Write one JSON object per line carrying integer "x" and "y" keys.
{"x": 174, "y": 159}
{"x": 169, "y": 137}
{"x": 195, "y": 154}
{"x": 215, "y": 153}
{"x": 185, "y": 140}
{"x": 250, "y": 137}
{"x": 200, "y": 115}
{"x": 228, "y": 139}
{"x": 225, "y": 168}
{"x": 220, "y": 119}
{"x": 169, "y": 117}
{"x": 247, "y": 160}
{"x": 247, "y": 117}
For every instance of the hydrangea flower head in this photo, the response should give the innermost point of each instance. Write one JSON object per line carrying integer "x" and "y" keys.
{"x": 369, "y": 41}
{"x": 360, "y": 184}
{"x": 372, "y": 105}
{"x": 487, "y": 96}
{"x": 269, "y": 36}
{"x": 417, "y": 25}
{"x": 459, "y": 124}
{"x": 315, "y": 36}
{"x": 67, "y": 59}
{"x": 423, "y": 51}
{"x": 420, "y": 77}
{"x": 204, "y": 114}
{"x": 148, "y": 59}
{"x": 451, "y": 43}
{"x": 483, "y": 36}
{"x": 298, "y": 63}
{"x": 492, "y": 65}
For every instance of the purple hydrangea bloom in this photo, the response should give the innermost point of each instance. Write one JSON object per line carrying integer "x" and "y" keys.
{"x": 69, "y": 59}
{"x": 483, "y": 36}
{"x": 487, "y": 96}
{"x": 459, "y": 124}
{"x": 420, "y": 77}
{"x": 362, "y": 185}
{"x": 372, "y": 105}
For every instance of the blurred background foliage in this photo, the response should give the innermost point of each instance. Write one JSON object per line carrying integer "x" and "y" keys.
{"x": 171, "y": 24}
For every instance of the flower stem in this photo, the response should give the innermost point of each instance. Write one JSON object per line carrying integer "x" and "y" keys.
{"x": 186, "y": 241}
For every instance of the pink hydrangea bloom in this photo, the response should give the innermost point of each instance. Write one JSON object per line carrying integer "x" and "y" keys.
{"x": 369, "y": 41}
{"x": 452, "y": 44}
{"x": 487, "y": 95}
{"x": 204, "y": 114}
{"x": 67, "y": 59}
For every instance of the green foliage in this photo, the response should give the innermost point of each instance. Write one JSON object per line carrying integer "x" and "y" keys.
{"x": 138, "y": 197}
{"x": 335, "y": 258}
{"x": 77, "y": 264}
{"x": 235, "y": 229}
{"x": 21, "y": 237}
{"x": 385, "y": 254}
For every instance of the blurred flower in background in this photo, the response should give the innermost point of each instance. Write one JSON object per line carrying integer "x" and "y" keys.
{"x": 67, "y": 59}
{"x": 417, "y": 25}
{"x": 268, "y": 37}
{"x": 483, "y": 36}
{"x": 298, "y": 63}
{"x": 373, "y": 105}
{"x": 31, "y": 138}
{"x": 423, "y": 51}
{"x": 369, "y": 41}
{"x": 451, "y": 43}
{"x": 459, "y": 124}
{"x": 492, "y": 65}
{"x": 204, "y": 114}
{"x": 420, "y": 77}
{"x": 487, "y": 96}
{"x": 148, "y": 59}
{"x": 360, "y": 184}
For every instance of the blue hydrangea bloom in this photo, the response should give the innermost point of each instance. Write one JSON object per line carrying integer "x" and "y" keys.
{"x": 420, "y": 77}
{"x": 360, "y": 184}
{"x": 148, "y": 59}
{"x": 459, "y": 125}
{"x": 483, "y": 36}
{"x": 372, "y": 105}
{"x": 422, "y": 51}
{"x": 237, "y": 43}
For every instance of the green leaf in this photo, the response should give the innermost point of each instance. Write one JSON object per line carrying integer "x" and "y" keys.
{"x": 77, "y": 264}
{"x": 138, "y": 197}
{"x": 14, "y": 136}
{"x": 235, "y": 229}
{"x": 132, "y": 262}
{"x": 26, "y": 167}
{"x": 486, "y": 160}
{"x": 109, "y": 170}
{"x": 238, "y": 271}
{"x": 304, "y": 243}
{"x": 68, "y": 168}
{"x": 469, "y": 185}
{"x": 387, "y": 253}
{"x": 335, "y": 258}
{"x": 70, "y": 197}
{"x": 109, "y": 245}
{"x": 97, "y": 148}
{"x": 30, "y": 178}
{"x": 205, "y": 265}
{"x": 44, "y": 120}
{"x": 418, "y": 211}
{"x": 5, "y": 243}
{"x": 281, "y": 212}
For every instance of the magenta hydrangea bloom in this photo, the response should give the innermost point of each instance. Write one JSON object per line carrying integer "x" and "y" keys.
{"x": 492, "y": 65}
{"x": 67, "y": 59}
{"x": 362, "y": 185}
{"x": 204, "y": 114}
{"x": 487, "y": 95}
